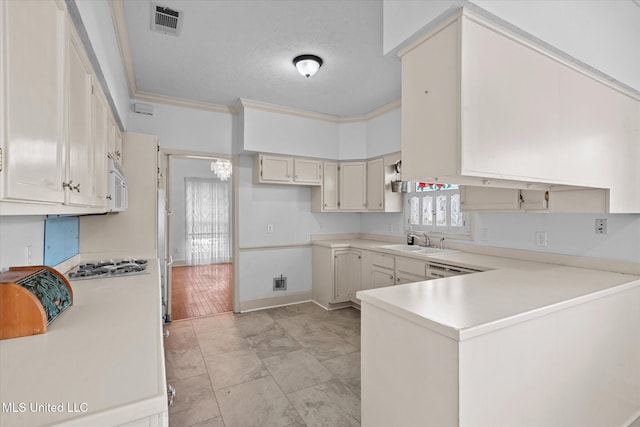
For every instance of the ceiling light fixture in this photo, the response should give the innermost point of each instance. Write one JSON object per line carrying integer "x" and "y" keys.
{"x": 307, "y": 65}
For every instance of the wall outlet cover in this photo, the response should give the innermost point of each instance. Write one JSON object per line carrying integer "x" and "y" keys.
{"x": 541, "y": 238}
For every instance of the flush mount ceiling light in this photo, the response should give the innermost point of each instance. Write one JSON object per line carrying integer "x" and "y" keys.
{"x": 307, "y": 65}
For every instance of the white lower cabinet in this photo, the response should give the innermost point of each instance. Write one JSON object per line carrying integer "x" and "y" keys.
{"x": 379, "y": 271}
{"x": 410, "y": 270}
{"x": 347, "y": 274}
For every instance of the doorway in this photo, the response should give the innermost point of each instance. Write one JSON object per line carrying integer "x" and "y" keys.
{"x": 198, "y": 235}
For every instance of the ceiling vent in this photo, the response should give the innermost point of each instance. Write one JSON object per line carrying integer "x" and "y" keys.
{"x": 165, "y": 20}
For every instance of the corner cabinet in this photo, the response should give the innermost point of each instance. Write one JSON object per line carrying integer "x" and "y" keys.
{"x": 32, "y": 40}
{"x": 480, "y": 103}
{"x": 358, "y": 186}
{"x": 336, "y": 275}
{"x": 273, "y": 169}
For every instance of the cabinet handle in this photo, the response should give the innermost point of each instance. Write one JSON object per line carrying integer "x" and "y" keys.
{"x": 109, "y": 197}
{"x": 76, "y": 188}
{"x": 391, "y": 277}
{"x": 68, "y": 185}
{"x": 171, "y": 394}
{"x": 117, "y": 153}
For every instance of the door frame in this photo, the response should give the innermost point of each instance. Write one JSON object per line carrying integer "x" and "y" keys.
{"x": 201, "y": 155}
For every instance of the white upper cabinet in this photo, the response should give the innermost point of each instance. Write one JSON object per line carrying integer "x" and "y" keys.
{"x": 100, "y": 139}
{"x": 325, "y": 198}
{"x": 31, "y": 100}
{"x": 79, "y": 184}
{"x": 353, "y": 186}
{"x": 375, "y": 184}
{"x": 480, "y": 104}
{"x": 274, "y": 169}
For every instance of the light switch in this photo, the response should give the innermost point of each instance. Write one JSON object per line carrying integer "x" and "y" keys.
{"x": 269, "y": 228}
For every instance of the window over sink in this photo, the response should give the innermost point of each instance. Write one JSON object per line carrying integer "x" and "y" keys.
{"x": 435, "y": 208}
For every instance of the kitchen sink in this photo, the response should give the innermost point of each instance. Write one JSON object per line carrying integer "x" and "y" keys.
{"x": 418, "y": 249}
{"x": 405, "y": 248}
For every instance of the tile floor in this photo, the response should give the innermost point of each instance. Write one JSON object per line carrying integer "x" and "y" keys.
{"x": 291, "y": 366}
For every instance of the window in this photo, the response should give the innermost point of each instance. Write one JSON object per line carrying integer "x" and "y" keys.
{"x": 437, "y": 210}
{"x": 207, "y": 221}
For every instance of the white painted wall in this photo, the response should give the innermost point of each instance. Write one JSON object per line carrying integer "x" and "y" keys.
{"x": 186, "y": 128}
{"x": 601, "y": 33}
{"x": 353, "y": 141}
{"x": 96, "y": 16}
{"x": 18, "y": 232}
{"x": 571, "y": 234}
{"x": 383, "y": 133}
{"x": 288, "y": 209}
{"x": 271, "y": 132}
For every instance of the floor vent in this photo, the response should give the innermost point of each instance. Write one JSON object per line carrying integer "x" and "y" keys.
{"x": 165, "y": 20}
{"x": 280, "y": 283}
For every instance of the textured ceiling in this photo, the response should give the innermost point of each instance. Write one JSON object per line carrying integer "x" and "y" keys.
{"x": 243, "y": 49}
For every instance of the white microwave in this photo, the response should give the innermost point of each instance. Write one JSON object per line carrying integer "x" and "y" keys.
{"x": 118, "y": 194}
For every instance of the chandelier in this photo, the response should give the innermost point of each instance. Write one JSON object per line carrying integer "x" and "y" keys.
{"x": 222, "y": 169}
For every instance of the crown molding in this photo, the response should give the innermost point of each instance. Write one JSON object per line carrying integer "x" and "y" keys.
{"x": 181, "y": 102}
{"x": 122, "y": 36}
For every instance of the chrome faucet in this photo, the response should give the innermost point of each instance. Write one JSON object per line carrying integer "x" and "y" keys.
{"x": 422, "y": 236}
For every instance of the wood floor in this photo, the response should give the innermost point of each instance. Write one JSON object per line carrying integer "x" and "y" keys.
{"x": 201, "y": 290}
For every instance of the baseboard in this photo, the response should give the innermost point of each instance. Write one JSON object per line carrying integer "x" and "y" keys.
{"x": 277, "y": 301}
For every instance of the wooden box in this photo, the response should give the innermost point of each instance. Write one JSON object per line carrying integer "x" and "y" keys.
{"x": 30, "y": 299}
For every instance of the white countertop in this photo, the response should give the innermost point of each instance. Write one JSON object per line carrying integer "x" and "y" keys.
{"x": 508, "y": 291}
{"x": 105, "y": 351}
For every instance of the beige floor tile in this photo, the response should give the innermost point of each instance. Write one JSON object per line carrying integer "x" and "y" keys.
{"x": 213, "y": 323}
{"x": 300, "y": 325}
{"x": 312, "y": 309}
{"x": 325, "y": 345}
{"x": 253, "y": 323}
{"x": 236, "y": 367}
{"x": 183, "y": 358}
{"x": 273, "y": 343}
{"x": 347, "y": 366}
{"x": 286, "y": 311}
{"x": 195, "y": 402}
{"x": 636, "y": 423}
{"x": 256, "y": 403}
{"x": 221, "y": 341}
{"x": 296, "y": 370}
{"x": 327, "y": 404}
{"x": 213, "y": 422}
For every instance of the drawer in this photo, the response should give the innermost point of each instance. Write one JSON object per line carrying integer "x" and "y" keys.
{"x": 412, "y": 266}
{"x": 382, "y": 260}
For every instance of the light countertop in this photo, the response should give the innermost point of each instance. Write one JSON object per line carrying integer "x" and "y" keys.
{"x": 507, "y": 291}
{"x": 105, "y": 351}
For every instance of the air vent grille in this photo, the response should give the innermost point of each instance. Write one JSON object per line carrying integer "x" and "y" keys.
{"x": 165, "y": 20}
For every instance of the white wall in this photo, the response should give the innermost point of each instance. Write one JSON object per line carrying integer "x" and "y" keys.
{"x": 601, "y": 33}
{"x": 352, "y": 140}
{"x": 288, "y": 209}
{"x": 18, "y": 232}
{"x": 96, "y": 16}
{"x": 383, "y": 133}
{"x": 273, "y": 132}
{"x": 186, "y": 128}
{"x": 571, "y": 234}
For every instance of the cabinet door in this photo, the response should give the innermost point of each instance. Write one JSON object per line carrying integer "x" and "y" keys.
{"x": 382, "y": 277}
{"x": 430, "y": 108}
{"x": 484, "y": 198}
{"x": 534, "y": 200}
{"x": 100, "y": 139}
{"x": 276, "y": 168}
{"x": 355, "y": 273}
{"x": 353, "y": 186}
{"x": 402, "y": 278}
{"x": 307, "y": 171}
{"x": 375, "y": 185}
{"x": 330, "y": 187}
{"x": 80, "y": 160}
{"x": 341, "y": 269}
{"x": 31, "y": 100}
{"x": 118, "y": 146}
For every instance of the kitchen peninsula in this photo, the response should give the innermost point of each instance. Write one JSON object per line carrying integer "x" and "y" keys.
{"x": 522, "y": 344}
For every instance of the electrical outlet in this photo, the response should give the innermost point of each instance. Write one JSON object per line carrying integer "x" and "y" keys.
{"x": 601, "y": 226}
{"x": 269, "y": 228}
{"x": 27, "y": 255}
{"x": 484, "y": 234}
{"x": 541, "y": 238}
